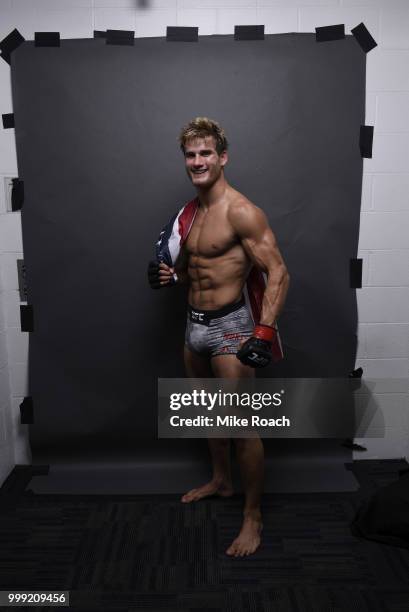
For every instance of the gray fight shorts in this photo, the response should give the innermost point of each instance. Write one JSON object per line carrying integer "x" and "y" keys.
{"x": 218, "y": 332}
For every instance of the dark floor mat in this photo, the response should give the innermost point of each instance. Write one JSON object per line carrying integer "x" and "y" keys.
{"x": 154, "y": 553}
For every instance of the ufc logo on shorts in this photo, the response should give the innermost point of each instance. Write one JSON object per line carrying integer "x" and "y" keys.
{"x": 197, "y": 316}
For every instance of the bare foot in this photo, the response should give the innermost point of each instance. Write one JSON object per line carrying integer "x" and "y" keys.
{"x": 248, "y": 539}
{"x": 211, "y": 488}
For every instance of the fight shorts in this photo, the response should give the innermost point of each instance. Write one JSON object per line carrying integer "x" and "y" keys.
{"x": 218, "y": 332}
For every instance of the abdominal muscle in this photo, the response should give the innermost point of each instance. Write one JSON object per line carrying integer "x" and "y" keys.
{"x": 217, "y": 281}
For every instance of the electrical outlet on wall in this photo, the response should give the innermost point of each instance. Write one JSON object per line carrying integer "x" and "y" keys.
{"x": 8, "y": 186}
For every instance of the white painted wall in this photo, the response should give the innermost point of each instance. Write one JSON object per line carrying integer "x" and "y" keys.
{"x": 384, "y": 236}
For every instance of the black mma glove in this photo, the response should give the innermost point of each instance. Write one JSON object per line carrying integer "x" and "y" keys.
{"x": 154, "y": 278}
{"x": 256, "y": 351}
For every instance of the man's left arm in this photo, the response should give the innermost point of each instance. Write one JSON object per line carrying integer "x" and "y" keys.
{"x": 251, "y": 225}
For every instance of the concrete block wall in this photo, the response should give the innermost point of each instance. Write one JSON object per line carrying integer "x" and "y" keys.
{"x": 384, "y": 243}
{"x": 383, "y": 302}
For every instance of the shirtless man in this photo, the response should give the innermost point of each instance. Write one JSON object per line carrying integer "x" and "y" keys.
{"x": 228, "y": 236}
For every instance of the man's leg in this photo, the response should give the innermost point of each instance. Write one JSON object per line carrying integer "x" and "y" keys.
{"x": 250, "y": 456}
{"x": 220, "y": 484}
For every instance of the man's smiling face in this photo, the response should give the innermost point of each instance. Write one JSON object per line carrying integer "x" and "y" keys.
{"x": 203, "y": 163}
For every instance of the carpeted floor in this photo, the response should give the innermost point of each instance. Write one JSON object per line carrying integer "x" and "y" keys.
{"x": 146, "y": 553}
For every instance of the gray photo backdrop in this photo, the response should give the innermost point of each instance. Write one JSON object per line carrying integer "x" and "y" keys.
{"x": 96, "y": 132}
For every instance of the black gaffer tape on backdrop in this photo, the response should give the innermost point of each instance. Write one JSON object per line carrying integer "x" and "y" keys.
{"x": 120, "y": 37}
{"x": 333, "y": 32}
{"x": 249, "y": 32}
{"x": 355, "y": 273}
{"x": 366, "y": 140}
{"x": 182, "y": 34}
{"x": 47, "y": 39}
{"x": 363, "y": 37}
{"x": 353, "y": 445}
{"x": 355, "y": 378}
{"x": 17, "y": 194}
{"x": 26, "y": 318}
{"x": 9, "y": 44}
{"x": 26, "y": 411}
{"x": 8, "y": 120}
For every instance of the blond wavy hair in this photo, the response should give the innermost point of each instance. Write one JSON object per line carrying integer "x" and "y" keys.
{"x": 201, "y": 127}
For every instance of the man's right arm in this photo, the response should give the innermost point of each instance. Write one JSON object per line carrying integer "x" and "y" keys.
{"x": 162, "y": 275}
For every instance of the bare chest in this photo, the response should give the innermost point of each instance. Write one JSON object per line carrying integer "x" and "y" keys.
{"x": 211, "y": 235}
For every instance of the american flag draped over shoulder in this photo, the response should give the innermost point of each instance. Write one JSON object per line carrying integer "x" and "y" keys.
{"x": 172, "y": 237}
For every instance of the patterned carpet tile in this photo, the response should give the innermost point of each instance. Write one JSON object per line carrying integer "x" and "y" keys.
{"x": 155, "y": 553}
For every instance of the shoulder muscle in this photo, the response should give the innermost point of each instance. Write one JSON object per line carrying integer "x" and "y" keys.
{"x": 247, "y": 219}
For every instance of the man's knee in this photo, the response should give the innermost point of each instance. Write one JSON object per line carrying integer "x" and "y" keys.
{"x": 220, "y": 442}
{"x": 242, "y": 443}
{"x": 247, "y": 444}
